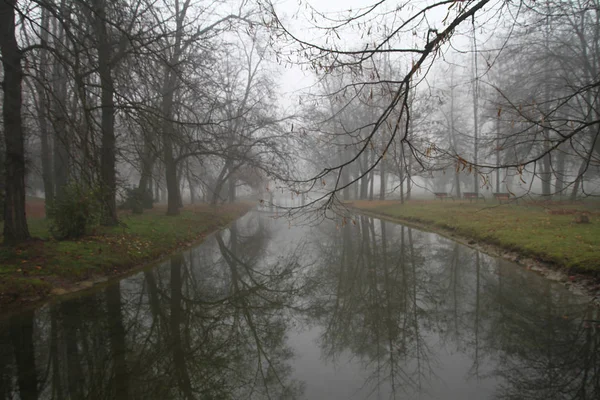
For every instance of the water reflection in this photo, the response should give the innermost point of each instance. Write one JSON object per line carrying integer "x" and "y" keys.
{"x": 372, "y": 310}
{"x": 210, "y": 323}
{"x": 428, "y": 318}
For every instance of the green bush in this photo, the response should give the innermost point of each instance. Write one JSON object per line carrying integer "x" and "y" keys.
{"x": 76, "y": 210}
{"x": 137, "y": 200}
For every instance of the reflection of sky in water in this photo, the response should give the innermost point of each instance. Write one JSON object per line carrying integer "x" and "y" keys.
{"x": 345, "y": 377}
{"x": 267, "y": 310}
{"x": 462, "y": 301}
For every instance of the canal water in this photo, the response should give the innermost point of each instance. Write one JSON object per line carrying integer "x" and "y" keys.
{"x": 265, "y": 310}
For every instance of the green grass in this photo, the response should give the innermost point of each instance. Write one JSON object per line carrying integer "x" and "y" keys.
{"x": 33, "y": 268}
{"x": 13, "y": 289}
{"x": 547, "y": 231}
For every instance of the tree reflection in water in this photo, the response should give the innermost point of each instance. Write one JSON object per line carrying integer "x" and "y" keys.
{"x": 208, "y": 324}
{"x": 373, "y": 298}
{"x": 416, "y": 314}
{"x": 399, "y": 300}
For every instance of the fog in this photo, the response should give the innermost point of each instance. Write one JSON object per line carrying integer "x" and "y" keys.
{"x": 185, "y": 102}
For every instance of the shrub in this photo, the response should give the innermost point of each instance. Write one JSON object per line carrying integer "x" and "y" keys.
{"x": 76, "y": 210}
{"x": 137, "y": 200}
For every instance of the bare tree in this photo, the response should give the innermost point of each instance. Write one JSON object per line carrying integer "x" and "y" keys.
{"x": 15, "y": 222}
{"x": 326, "y": 57}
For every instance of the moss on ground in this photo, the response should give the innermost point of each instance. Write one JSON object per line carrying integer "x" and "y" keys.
{"x": 32, "y": 269}
{"x": 544, "y": 230}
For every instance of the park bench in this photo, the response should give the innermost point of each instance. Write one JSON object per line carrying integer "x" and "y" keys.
{"x": 502, "y": 196}
{"x": 442, "y": 195}
{"x": 473, "y": 195}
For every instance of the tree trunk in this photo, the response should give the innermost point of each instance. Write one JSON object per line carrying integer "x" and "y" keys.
{"x": 168, "y": 93}
{"x": 364, "y": 182}
{"x": 231, "y": 190}
{"x": 457, "y": 184}
{"x": 382, "y": 180}
{"x": 15, "y": 221}
{"x": 475, "y": 145}
{"x": 180, "y": 184}
{"x": 371, "y": 184}
{"x": 559, "y": 172}
{"x": 150, "y": 189}
{"x": 59, "y": 122}
{"x": 475, "y": 115}
{"x": 171, "y": 177}
{"x": 452, "y": 135}
{"x": 400, "y": 166}
{"x": 408, "y": 181}
{"x": 145, "y": 182}
{"x": 408, "y": 165}
{"x": 219, "y": 184}
{"x": 345, "y": 181}
{"x": 345, "y": 176}
{"x": 168, "y": 132}
{"x": 546, "y": 175}
{"x": 190, "y": 183}
{"x": 42, "y": 105}
{"x": 402, "y": 189}
{"x": 575, "y": 190}
{"x": 156, "y": 191}
{"x": 579, "y": 180}
{"x": 107, "y": 153}
{"x": 497, "y": 154}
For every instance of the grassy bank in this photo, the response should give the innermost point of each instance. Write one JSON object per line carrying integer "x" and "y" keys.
{"x": 32, "y": 270}
{"x": 546, "y": 231}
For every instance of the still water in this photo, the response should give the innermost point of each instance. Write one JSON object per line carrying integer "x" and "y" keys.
{"x": 263, "y": 310}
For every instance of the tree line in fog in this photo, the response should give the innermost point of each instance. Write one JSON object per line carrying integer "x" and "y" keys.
{"x": 157, "y": 101}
